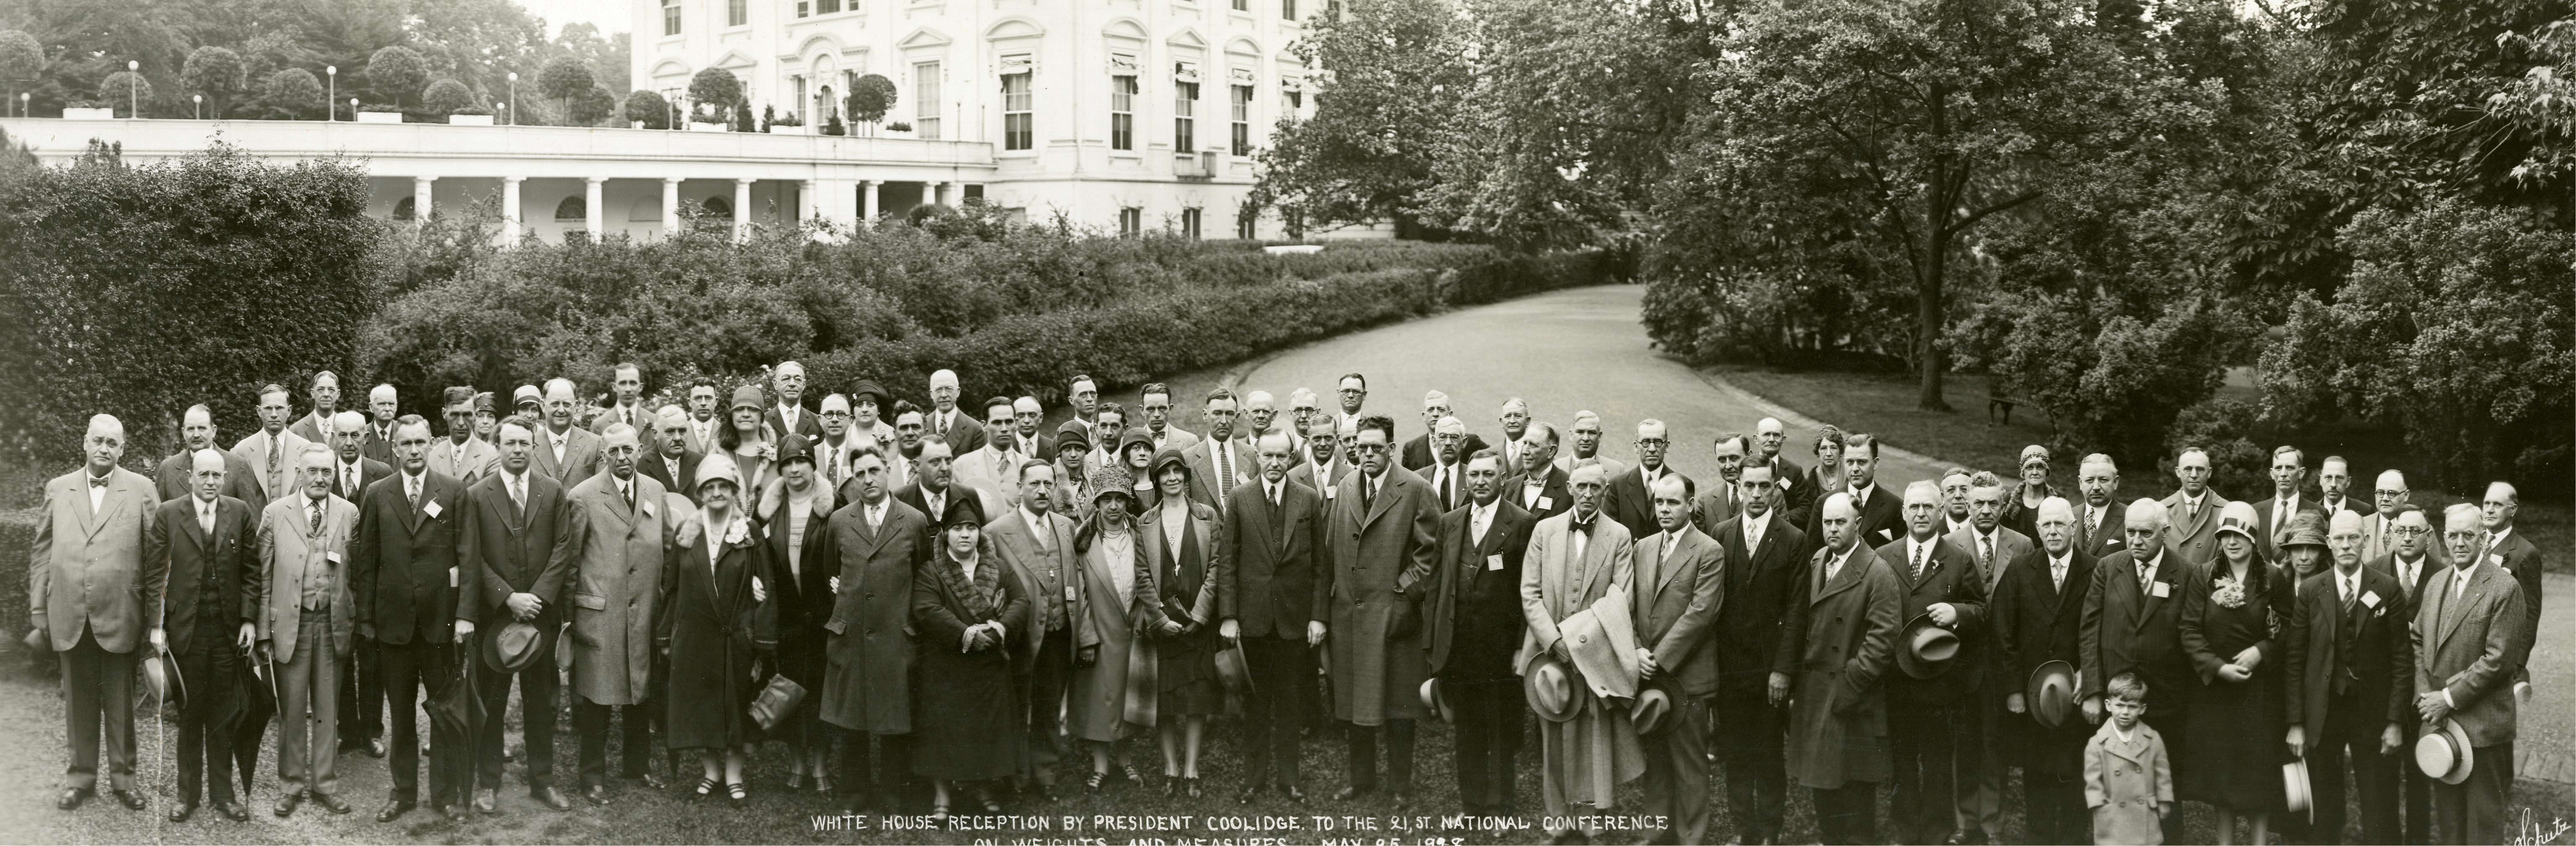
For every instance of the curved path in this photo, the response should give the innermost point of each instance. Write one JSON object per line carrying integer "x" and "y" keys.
{"x": 1561, "y": 351}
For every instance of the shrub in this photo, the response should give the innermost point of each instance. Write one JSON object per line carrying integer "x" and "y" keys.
{"x": 472, "y": 110}
{"x": 446, "y": 97}
{"x": 292, "y": 94}
{"x": 644, "y": 105}
{"x": 899, "y": 126}
{"x": 2113, "y": 382}
{"x": 395, "y": 72}
{"x": 124, "y": 89}
{"x": 139, "y": 291}
{"x": 2225, "y": 429}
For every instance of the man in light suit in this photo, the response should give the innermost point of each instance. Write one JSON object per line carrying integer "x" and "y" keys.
{"x": 83, "y": 573}
{"x": 403, "y": 570}
{"x": 2192, "y": 515}
{"x": 1037, "y": 543}
{"x": 461, "y": 455}
{"x": 1422, "y": 451}
{"x": 271, "y": 451}
{"x": 1319, "y": 466}
{"x": 1758, "y": 636}
{"x": 325, "y": 391}
{"x": 994, "y": 467}
{"x": 1992, "y": 547}
{"x": 2349, "y": 677}
{"x": 1628, "y": 501}
{"x": 1538, "y": 486}
{"x": 2379, "y": 527}
{"x": 1574, "y": 560}
{"x": 704, "y": 424}
{"x": 509, "y": 574}
{"x": 2467, "y": 637}
{"x": 1716, "y": 503}
{"x": 2289, "y": 474}
{"x": 173, "y": 479}
{"x": 1155, "y": 401}
{"x": 671, "y": 460}
{"x": 1515, "y": 418}
{"x": 1269, "y": 562}
{"x": 789, "y": 417}
{"x": 2100, "y": 519}
{"x": 1586, "y": 431}
{"x": 1382, "y": 540}
{"x": 1476, "y": 627}
{"x": 307, "y": 619}
{"x": 1218, "y": 463}
{"x": 198, "y": 567}
{"x": 627, "y": 379}
{"x": 1925, "y": 716}
{"x": 1681, "y": 585}
{"x": 362, "y": 692}
{"x": 564, "y": 452}
{"x": 613, "y": 536}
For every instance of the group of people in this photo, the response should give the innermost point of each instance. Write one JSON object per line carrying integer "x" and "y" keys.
{"x": 903, "y": 594}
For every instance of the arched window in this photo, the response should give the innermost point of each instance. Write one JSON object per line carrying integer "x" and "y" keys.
{"x": 719, "y": 207}
{"x": 403, "y": 209}
{"x": 572, "y": 208}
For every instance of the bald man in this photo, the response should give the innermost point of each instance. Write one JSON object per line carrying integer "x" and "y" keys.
{"x": 1260, "y": 415}
{"x": 564, "y": 452}
{"x": 2388, "y": 496}
{"x": 176, "y": 474}
{"x": 2131, "y": 614}
{"x": 2350, "y": 673}
{"x": 84, "y": 574}
{"x": 2038, "y": 613}
{"x": 789, "y": 416}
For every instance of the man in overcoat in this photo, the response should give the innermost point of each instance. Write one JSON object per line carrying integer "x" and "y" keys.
{"x": 614, "y": 535}
{"x": 1838, "y": 745}
{"x": 2038, "y": 612}
{"x": 876, "y": 542}
{"x": 2191, "y": 527}
{"x": 1383, "y": 537}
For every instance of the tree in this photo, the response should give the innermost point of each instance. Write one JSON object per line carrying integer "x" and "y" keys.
{"x": 292, "y": 94}
{"x": 716, "y": 89}
{"x": 124, "y": 88}
{"x": 21, "y": 59}
{"x": 648, "y": 107}
{"x": 396, "y": 71}
{"x": 563, "y": 79}
{"x": 446, "y": 96}
{"x": 1395, "y": 74}
{"x": 871, "y": 97}
{"x": 216, "y": 73}
{"x": 592, "y": 105}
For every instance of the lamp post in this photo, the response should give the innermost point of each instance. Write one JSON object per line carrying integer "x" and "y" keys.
{"x": 133, "y": 88}
{"x": 333, "y": 96}
{"x": 25, "y": 109}
{"x": 200, "y": 105}
{"x": 353, "y": 108}
{"x": 514, "y": 98}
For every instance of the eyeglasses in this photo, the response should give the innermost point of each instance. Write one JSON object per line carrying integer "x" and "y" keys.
{"x": 836, "y": 414}
{"x": 2411, "y": 531}
{"x": 2389, "y": 493}
{"x": 1370, "y": 447}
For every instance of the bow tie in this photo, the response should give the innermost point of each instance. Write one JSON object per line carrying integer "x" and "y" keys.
{"x": 98, "y": 481}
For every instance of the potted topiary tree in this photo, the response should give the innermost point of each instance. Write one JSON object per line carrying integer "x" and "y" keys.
{"x": 714, "y": 94}
{"x": 470, "y": 116}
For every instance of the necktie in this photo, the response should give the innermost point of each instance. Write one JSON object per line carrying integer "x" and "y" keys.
{"x": 1045, "y": 535}
{"x": 206, "y": 518}
{"x": 519, "y": 493}
{"x": 1986, "y": 565}
{"x": 316, "y": 507}
{"x": 2057, "y": 573}
{"x": 275, "y": 448}
{"x": 1448, "y": 487}
{"x": 2142, "y": 578}
{"x": 1919, "y": 551}
{"x": 348, "y": 481}
{"x": 1224, "y": 472}
{"x": 2346, "y": 587}
{"x": 411, "y": 490}
{"x": 629, "y": 489}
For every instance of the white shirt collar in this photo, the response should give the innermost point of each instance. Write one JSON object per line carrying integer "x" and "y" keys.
{"x": 2063, "y": 560}
{"x": 1919, "y": 549}
{"x": 2194, "y": 501}
{"x": 1033, "y": 518}
{"x": 2497, "y": 537}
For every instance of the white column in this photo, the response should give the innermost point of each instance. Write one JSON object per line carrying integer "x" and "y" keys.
{"x": 590, "y": 203}
{"x": 510, "y": 210}
{"x": 420, "y": 198}
{"x": 938, "y": 192}
{"x": 670, "y": 205}
{"x": 808, "y": 201}
{"x": 742, "y": 209}
{"x": 868, "y": 208}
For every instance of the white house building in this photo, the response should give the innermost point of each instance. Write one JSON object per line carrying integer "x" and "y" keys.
{"x": 1119, "y": 114}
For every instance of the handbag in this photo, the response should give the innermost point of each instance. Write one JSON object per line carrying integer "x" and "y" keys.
{"x": 777, "y": 701}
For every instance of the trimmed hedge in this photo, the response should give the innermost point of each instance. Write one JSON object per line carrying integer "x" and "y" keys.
{"x": 17, "y": 538}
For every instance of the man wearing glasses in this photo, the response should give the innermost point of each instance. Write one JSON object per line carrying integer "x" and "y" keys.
{"x": 1383, "y": 540}
{"x": 316, "y": 427}
{"x": 627, "y": 380}
{"x": 2378, "y": 531}
{"x": 1352, "y": 390}
{"x": 1419, "y": 454}
{"x": 1628, "y": 502}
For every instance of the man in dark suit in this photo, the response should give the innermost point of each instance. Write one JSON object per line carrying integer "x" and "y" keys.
{"x": 1628, "y": 502}
{"x": 946, "y": 420}
{"x": 1924, "y": 714}
{"x": 382, "y": 404}
{"x": 404, "y": 568}
{"x": 2334, "y": 478}
{"x": 1798, "y": 496}
{"x": 362, "y": 691}
{"x": 627, "y": 380}
{"x": 2038, "y": 614}
{"x": 1420, "y": 453}
{"x": 2467, "y": 636}
{"x": 2289, "y": 474}
{"x": 2131, "y": 624}
{"x": 1717, "y": 502}
{"x": 509, "y": 574}
{"x": 1449, "y": 450}
{"x": 2100, "y": 519}
{"x": 1538, "y": 486}
{"x": 324, "y": 391}
{"x": 1218, "y": 463}
{"x": 2191, "y": 515}
{"x": 1756, "y": 640}
{"x": 1269, "y": 599}
{"x": 1992, "y": 548}
{"x": 2521, "y": 560}
{"x": 197, "y": 567}
{"x": 790, "y": 416}
{"x": 672, "y": 461}
{"x": 1029, "y": 415}
{"x": 2349, "y": 666}
{"x": 1680, "y": 584}
{"x": 563, "y": 452}
{"x": 2410, "y": 567}
{"x": 1476, "y": 626}
{"x": 81, "y": 578}
{"x": 175, "y": 478}
{"x": 1881, "y": 519}
{"x": 1320, "y": 467}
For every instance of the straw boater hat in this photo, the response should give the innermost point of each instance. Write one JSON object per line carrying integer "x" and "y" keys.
{"x": 2296, "y": 795}
{"x": 1924, "y": 650}
{"x": 2444, "y": 753}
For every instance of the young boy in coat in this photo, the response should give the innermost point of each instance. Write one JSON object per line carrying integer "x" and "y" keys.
{"x": 2128, "y": 781}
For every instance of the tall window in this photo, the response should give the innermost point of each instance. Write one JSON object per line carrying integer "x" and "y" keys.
{"x": 926, "y": 105}
{"x": 737, "y": 12}
{"x": 670, "y": 17}
{"x": 1288, "y": 9}
{"x": 1185, "y": 122}
{"x": 1131, "y": 221}
{"x": 825, "y": 7}
{"x": 1243, "y": 5}
{"x": 1019, "y": 124}
{"x": 1190, "y": 224}
{"x": 1122, "y": 113}
{"x": 804, "y": 9}
{"x": 799, "y": 83}
{"x": 1244, "y": 228}
{"x": 1291, "y": 98}
{"x": 1242, "y": 120}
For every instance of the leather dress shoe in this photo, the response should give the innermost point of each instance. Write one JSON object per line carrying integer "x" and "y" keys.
{"x": 654, "y": 780}
{"x": 452, "y": 813}
{"x": 394, "y": 809}
{"x": 286, "y": 804}
{"x": 1296, "y": 796}
{"x": 485, "y": 801}
{"x": 233, "y": 811}
{"x": 596, "y": 794}
{"x": 376, "y": 747}
{"x": 181, "y": 812}
{"x": 73, "y": 797}
{"x": 1402, "y": 799}
{"x": 330, "y": 803}
{"x": 1348, "y": 793}
{"x": 131, "y": 800}
{"x": 551, "y": 797}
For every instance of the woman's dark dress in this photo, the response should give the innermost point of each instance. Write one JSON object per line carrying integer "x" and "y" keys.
{"x": 966, "y": 717}
{"x": 802, "y": 600}
{"x": 1187, "y": 679}
{"x": 713, "y": 630}
{"x": 2234, "y": 736}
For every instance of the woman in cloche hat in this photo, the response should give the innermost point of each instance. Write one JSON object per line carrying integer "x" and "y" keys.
{"x": 964, "y": 604}
{"x": 712, "y": 633}
{"x": 1180, "y": 537}
{"x": 747, "y": 439}
{"x": 2233, "y": 723}
{"x": 1115, "y": 585}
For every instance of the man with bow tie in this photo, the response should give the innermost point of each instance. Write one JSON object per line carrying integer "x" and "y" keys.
{"x": 81, "y": 596}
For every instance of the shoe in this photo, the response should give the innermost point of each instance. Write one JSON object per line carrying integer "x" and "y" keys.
{"x": 1348, "y": 793}
{"x": 596, "y": 794}
{"x": 1245, "y": 796}
{"x": 131, "y": 800}
{"x": 550, "y": 797}
{"x": 376, "y": 747}
{"x": 394, "y": 809}
{"x": 73, "y": 797}
{"x": 1402, "y": 799}
{"x": 1093, "y": 781}
{"x": 1190, "y": 786}
{"x": 939, "y": 815}
{"x": 1969, "y": 838}
{"x": 706, "y": 787}
{"x": 795, "y": 781}
{"x": 1171, "y": 784}
{"x": 330, "y": 803}
{"x": 654, "y": 781}
{"x": 286, "y": 805}
{"x": 487, "y": 802}
{"x": 738, "y": 793}
{"x": 453, "y": 813}
{"x": 991, "y": 805}
{"x": 180, "y": 813}
{"x": 233, "y": 811}
{"x": 1296, "y": 796}
{"x": 823, "y": 785}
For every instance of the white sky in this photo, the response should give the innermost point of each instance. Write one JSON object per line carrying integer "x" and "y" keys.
{"x": 613, "y": 17}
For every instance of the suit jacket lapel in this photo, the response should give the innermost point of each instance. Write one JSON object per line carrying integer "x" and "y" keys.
{"x": 1841, "y": 581}
{"x": 2455, "y": 603}
{"x": 419, "y": 510}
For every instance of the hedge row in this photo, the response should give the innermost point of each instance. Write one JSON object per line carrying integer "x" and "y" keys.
{"x": 17, "y": 537}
